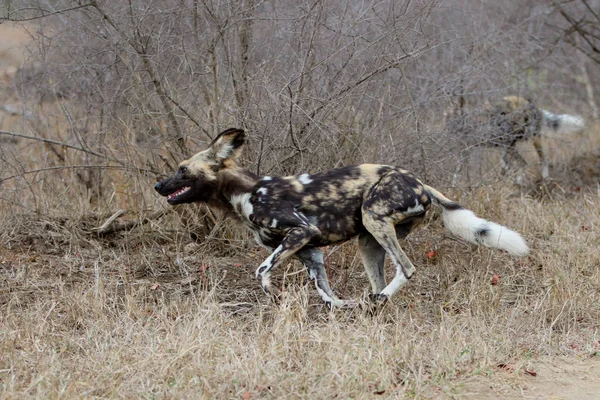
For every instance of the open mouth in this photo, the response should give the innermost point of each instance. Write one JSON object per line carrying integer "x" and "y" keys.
{"x": 175, "y": 195}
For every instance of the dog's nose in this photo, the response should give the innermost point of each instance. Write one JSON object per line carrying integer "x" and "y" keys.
{"x": 158, "y": 186}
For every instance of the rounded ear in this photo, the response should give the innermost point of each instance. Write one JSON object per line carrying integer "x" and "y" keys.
{"x": 228, "y": 144}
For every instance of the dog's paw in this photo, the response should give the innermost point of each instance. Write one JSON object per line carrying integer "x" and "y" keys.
{"x": 375, "y": 303}
{"x": 342, "y": 304}
{"x": 378, "y": 298}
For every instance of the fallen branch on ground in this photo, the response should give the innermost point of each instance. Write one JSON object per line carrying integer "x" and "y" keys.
{"x": 112, "y": 226}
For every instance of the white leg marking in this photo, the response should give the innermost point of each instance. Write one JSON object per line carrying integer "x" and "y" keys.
{"x": 324, "y": 296}
{"x": 503, "y": 161}
{"x": 396, "y": 283}
{"x": 268, "y": 263}
{"x": 455, "y": 179}
{"x": 520, "y": 178}
{"x": 545, "y": 172}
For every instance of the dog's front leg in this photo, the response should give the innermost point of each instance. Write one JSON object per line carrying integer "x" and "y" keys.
{"x": 294, "y": 240}
{"x": 312, "y": 258}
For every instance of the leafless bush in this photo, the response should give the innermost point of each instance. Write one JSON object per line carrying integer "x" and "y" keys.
{"x": 134, "y": 87}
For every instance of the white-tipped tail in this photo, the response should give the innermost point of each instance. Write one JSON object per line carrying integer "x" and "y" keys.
{"x": 562, "y": 124}
{"x": 466, "y": 225}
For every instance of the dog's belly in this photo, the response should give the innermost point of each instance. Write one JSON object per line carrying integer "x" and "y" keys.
{"x": 332, "y": 230}
{"x": 336, "y": 228}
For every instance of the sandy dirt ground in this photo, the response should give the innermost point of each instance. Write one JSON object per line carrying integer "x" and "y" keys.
{"x": 556, "y": 379}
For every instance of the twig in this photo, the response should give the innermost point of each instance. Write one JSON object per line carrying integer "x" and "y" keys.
{"x": 118, "y": 167}
{"x": 104, "y": 227}
{"x": 39, "y": 139}
{"x": 176, "y": 103}
{"x": 294, "y": 139}
{"x": 357, "y": 83}
{"x": 109, "y": 226}
{"x": 48, "y": 13}
{"x": 141, "y": 51}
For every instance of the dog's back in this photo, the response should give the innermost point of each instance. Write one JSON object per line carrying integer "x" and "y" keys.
{"x": 513, "y": 119}
{"x": 333, "y": 200}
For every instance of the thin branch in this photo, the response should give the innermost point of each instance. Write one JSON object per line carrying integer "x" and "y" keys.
{"x": 294, "y": 139}
{"x": 183, "y": 110}
{"x": 49, "y": 13}
{"x": 63, "y": 167}
{"x": 50, "y": 141}
{"x": 359, "y": 82}
{"x": 591, "y": 10}
{"x": 152, "y": 73}
{"x": 111, "y": 226}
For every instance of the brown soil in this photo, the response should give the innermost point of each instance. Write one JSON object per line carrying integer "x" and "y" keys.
{"x": 556, "y": 379}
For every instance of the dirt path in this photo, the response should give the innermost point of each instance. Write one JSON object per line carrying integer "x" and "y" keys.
{"x": 566, "y": 379}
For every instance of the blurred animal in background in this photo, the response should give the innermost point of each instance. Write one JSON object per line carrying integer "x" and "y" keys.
{"x": 503, "y": 124}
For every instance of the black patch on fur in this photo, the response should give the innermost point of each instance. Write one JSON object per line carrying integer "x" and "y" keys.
{"x": 482, "y": 232}
{"x": 408, "y": 225}
{"x": 384, "y": 170}
{"x": 452, "y": 206}
{"x": 238, "y": 141}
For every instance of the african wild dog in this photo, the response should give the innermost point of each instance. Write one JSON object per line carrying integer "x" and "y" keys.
{"x": 295, "y": 215}
{"x": 506, "y": 122}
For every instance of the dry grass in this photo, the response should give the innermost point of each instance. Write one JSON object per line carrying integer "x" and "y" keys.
{"x": 151, "y": 312}
{"x": 131, "y": 316}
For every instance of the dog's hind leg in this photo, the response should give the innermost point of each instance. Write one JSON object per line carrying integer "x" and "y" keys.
{"x": 312, "y": 258}
{"x": 373, "y": 258}
{"x": 457, "y": 171}
{"x": 511, "y": 153}
{"x": 397, "y": 199}
{"x": 383, "y": 231}
{"x": 504, "y": 161}
{"x": 537, "y": 143}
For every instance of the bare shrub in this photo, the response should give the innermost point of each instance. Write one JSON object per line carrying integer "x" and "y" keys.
{"x": 317, "y": 84}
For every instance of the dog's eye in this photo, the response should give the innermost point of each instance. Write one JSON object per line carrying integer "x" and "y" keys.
{"x": 182, "y": 170}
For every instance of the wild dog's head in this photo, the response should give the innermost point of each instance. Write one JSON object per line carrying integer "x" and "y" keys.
{"x": 196, "y": 178}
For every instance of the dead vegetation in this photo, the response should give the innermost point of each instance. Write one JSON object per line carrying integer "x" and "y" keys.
{"x": 106, "y": 292}
{"x": 154, "y": 314}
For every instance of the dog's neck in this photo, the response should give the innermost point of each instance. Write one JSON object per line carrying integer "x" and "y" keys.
{"x": 234, "y": 181}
